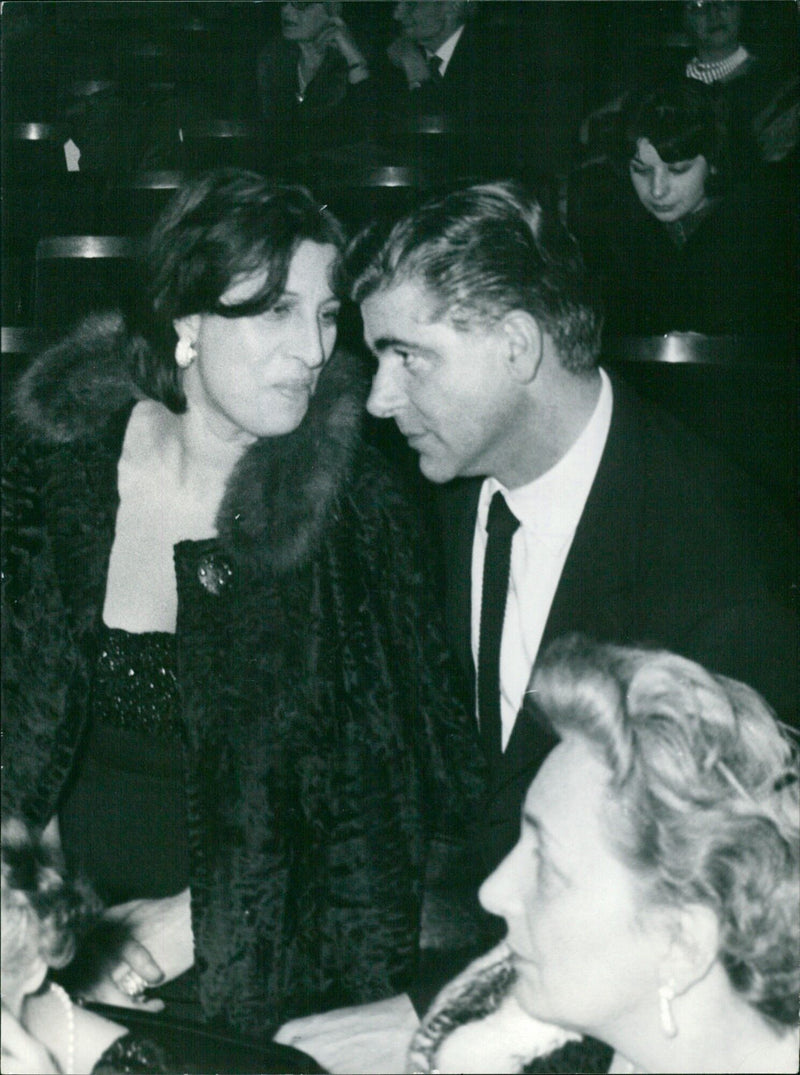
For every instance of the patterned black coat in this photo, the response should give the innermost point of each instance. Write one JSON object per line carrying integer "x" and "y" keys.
{"x": 323, "y": 741}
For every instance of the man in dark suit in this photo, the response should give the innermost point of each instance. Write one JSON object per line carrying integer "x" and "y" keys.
{"x": 621, "y": 525}
{"x": 458, "y": 74}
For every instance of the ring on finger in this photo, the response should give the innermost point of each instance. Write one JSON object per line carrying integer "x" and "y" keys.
{"x": 132, "y": 984}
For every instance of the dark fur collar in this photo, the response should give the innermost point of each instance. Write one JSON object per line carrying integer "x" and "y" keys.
{"x": 283, "y": 490}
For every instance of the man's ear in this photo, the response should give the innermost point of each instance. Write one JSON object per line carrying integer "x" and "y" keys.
{"x": 693, "y": 945}
{"x": 522, "y": 340}
{"x": 187, "y": 328}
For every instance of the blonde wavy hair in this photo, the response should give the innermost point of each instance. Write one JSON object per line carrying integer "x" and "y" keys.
{"x": 42, "y": 911}
{"x": 705, "y": 807}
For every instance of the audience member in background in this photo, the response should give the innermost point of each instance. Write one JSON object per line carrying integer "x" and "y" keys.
{"x": 620, "y": 523}
{"x": 222, "y": 677}
{"x": 467, "y": 77}
{"x": 652, "y": 899}
{"x": 758, "y": 104}
{"x": 119, "y": 130}
{"x": 756, "y": 100}
{"x": 314, "y": 83}
{"x": 43, "y": 1031}
{"x": 683, "y": 243}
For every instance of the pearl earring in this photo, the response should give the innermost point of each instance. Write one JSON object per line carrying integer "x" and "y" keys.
{"x": 666, "y": 995}
{"x": 185, "y": 352}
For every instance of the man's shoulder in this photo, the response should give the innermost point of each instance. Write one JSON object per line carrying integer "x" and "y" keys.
{"x": 688, "y": 490}
{"x": 641, "y": 426}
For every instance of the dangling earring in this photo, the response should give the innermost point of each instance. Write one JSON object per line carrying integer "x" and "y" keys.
{"x": 666, "y": 995}
{"x": 185, "y": 353}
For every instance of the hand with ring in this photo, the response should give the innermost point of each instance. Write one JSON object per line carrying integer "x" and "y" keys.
{"x": 158, "y": 946}
{"x": 128, "y": 981}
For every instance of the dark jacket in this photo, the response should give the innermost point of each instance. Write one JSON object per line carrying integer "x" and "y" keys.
{"x": 323, "y": 741}
{"x": 333, "y": 112}
{"x": 481, "y": 105}
{"x": 667, "y": 552}
{"x": 732, "y": 274}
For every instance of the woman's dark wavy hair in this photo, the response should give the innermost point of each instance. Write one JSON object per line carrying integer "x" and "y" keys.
{"x": 44, "y": 913}
{"x": 703, "y": 801}
{"x": 217, "y": 228}
{"x": 480, "y": 253}
{"x": 680, "y": 120}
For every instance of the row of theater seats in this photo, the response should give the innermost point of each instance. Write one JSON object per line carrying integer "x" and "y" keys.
{"x": 36, "y": 152}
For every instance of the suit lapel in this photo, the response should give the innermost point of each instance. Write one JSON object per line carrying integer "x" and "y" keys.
{"x": 602, "y": 562}
{"x": 601, "y": 567}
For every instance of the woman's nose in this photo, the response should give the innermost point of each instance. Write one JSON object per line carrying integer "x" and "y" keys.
{"x": 385, "y": 395}
{"x": 309, "y": 345}
{"x": 500, "y": 893}
{"x": 659, "y": 183}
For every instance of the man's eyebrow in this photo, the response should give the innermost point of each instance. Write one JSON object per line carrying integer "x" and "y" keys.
{"x": 386, "y": 343}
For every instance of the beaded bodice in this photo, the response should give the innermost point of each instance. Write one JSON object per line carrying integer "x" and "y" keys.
{"x": 135, "y": 682}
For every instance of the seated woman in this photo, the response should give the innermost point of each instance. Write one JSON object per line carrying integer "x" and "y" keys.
{"x": 652, "y": 899}
{"x": 223, "y": 680}
{"x": 42, "y": 1030}
{"x": 675, "y": 243}
{"x": 44, "y": 916}
{"x": 315, "y": 88}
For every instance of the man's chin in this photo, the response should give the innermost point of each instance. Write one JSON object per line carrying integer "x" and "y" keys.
{"x": 435, "y": 470}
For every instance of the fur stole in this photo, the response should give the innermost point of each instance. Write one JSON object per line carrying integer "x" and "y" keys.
{"x": 476, "y": 1025}
{"x": 282, "y": 492}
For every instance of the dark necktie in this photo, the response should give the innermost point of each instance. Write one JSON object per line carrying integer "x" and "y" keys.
{"x": 500, "y": 526}
{"x": 435, "y": 68}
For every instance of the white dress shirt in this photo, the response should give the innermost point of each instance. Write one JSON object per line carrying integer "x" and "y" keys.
{"x": 549, "y": 510}
{"x": 446, "y": 49}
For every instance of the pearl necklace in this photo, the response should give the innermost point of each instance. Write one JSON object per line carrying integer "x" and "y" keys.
{"x": 65, "y": 1001}
{"x": 709, "y": 71}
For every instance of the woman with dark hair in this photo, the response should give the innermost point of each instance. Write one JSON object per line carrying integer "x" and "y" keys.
{"x": 679, "y": 244}
{"x": 223, "y": 681}
{"x": 652, "y": 899}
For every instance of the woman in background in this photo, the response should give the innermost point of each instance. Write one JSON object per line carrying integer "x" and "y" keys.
{"x": 679, "y": 245}
{"x": 652, "y": 899}
{"x": 315, "y": 87}
{"x": 223, "y": 683}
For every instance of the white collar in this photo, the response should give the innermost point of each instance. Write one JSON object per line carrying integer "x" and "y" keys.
{"x": 551, "y": 505}
{"x": 446, "y": 49}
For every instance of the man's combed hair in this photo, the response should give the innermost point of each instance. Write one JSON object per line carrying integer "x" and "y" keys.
{"x": 704, "y": 803}
{"x": 481, "y": 253}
